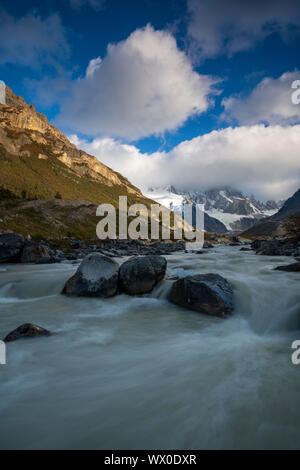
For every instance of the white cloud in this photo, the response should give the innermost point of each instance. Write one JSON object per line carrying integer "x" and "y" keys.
{"x": 145, "y": 85}
{"x": 270, "y": 102}
{"x": 258, "y": 159}
{"x": 32, "y": 41}
{"x": 217, "y": 26}
{"x": 94, "y": 65}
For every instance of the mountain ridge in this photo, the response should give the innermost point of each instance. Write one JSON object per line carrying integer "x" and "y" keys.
{"x": 226, "y": 205}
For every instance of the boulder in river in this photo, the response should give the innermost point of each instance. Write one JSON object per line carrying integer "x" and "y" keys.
{"x": 97, "y": 276}
{"x": 33, "y": 252}
{"x": 11, "y": 246}
{"x": 28, "y": 330}
{"x": 206, "y": 293}
{"x": 294, "y": 267}
{"x": 140, "y": 274}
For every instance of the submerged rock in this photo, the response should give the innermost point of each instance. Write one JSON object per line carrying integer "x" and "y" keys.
{"x": 28, "y": 330}
{"x": 206, "y": 293}
{"x": 140, "y": 274}
{"x": 294, "y": 267}
{"x": 97, "y": 276}
{"x": 11, "y": 246}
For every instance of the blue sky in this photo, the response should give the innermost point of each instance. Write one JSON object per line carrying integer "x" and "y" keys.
{"x": 199, "y": 66}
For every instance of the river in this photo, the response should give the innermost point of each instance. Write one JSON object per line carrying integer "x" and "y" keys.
{"x": 142, "y": 373}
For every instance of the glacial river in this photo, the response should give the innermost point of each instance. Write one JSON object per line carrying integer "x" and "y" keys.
{"x": 140, "y": 372}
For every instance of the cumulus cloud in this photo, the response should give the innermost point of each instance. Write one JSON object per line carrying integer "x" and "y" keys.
{"x": 144, "y": 85}
{"x": 32, "y": 41}
{"x": 228, "y": 27}
{"x": 95, "y": 4}
{"x": 270, "y": 102}
{"x": 259, "y": 159}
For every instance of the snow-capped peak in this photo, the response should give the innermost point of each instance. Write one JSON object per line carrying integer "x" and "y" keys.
{"x": 235, "y": 210}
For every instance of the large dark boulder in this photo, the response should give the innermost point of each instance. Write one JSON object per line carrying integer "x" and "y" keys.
{"x": 28, "y": 330}
{"x": 11, "y": 246}
{"x": 278, "y": 248}
{"x": 33, "y": 252}
{"x": 269, "y": 248}
{"x": 205, "y": 293}
{"x": 140, "y": 274}
{"x": 97, "y": 276}
{"x": 292, "y": 268}
{"x": 256, "y": 244}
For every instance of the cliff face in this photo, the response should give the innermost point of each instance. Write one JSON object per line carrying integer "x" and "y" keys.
{"x": 27, "y": 139}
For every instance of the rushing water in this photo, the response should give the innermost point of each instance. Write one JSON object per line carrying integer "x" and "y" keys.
{"x": 140, "y": 372}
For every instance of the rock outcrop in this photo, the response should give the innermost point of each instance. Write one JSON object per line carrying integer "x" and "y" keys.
{"x": 97, "y": 276}
{"x": 206, "y": 293}
{"x": 140, "y": 274}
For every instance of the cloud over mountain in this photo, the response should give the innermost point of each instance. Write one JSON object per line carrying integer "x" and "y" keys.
{"x": 260, "y": 159}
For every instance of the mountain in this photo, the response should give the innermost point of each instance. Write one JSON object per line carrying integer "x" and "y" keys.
{"x": 38, "y": 162}
{"x": 285, "y": 223}
{"x": 43, "y": 173}
{"x": 226, "y": 206}
{"x": 169, "y": 198}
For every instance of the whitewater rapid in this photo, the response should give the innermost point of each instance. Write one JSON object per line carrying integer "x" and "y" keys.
{"x": 140, "y": 372}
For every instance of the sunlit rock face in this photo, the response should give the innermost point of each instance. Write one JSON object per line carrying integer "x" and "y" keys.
{"x": 2, "y": 92}
{"x": 26, "y": 133}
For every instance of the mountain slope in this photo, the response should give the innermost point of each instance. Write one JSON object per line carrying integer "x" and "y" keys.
{"x": 290, "y": 207}
{"x": 38, "y": 161}
{"x": 285, "y": 223}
